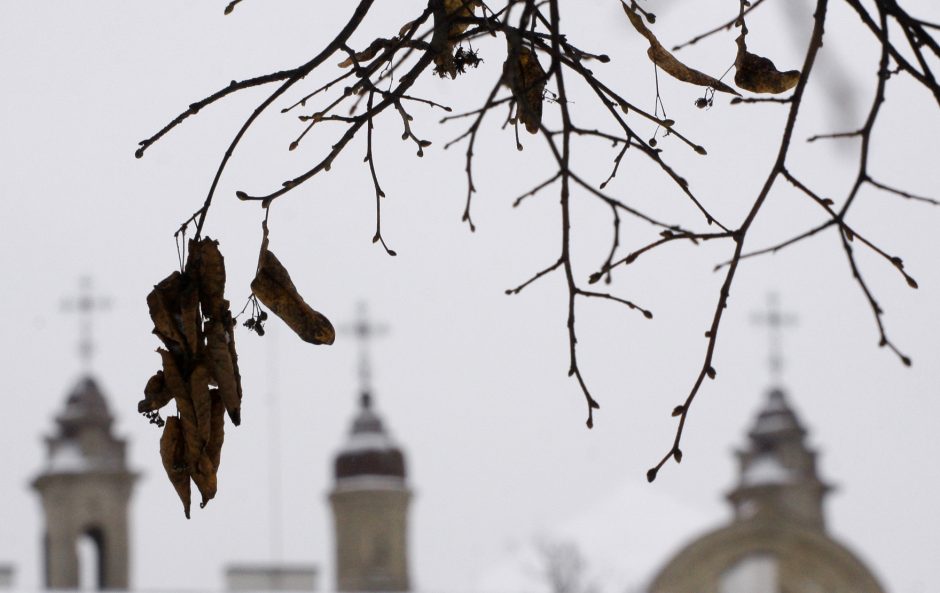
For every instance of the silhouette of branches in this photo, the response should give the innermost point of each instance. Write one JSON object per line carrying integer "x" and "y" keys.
{"x": 532, "y": 94}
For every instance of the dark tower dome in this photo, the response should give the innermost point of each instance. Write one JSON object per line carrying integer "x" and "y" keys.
{"x": 85, "y": 406}
{"x": 369, "y": 450}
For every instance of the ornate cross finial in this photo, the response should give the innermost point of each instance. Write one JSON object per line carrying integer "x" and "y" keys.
{"x": 775, "y": 321}
{"x": 85, "y": 304}
{"x": 364, "y": 330}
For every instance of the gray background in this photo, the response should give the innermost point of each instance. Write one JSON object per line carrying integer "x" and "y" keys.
{"x": 472, "y": 382}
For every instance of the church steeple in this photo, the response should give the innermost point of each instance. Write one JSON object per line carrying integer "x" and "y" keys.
{"x": 777, "y": 540}
{"x": 370, "y": 496}
{"x": 86, "y": 488}
{"x": 777, "y": 477}
{"x": 85, "y": 485}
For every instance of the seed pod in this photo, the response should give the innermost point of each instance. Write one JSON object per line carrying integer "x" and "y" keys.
{"x": 190, "y": 431}
{"x": 190, "y": 318}
{"x": 202, "y": 403}
{"x": 172, "y": 453}
{"x": 205, "y": 479}
{"x": 663, "y": 58}
{"x": 758, "y": 74}
{"x": 156, "y": 394}
{"x": 217, "y": 429}
{"x": 208, "y": 266}
{"x": 175, "y": 384}
{"x": 163, "y": 302}
{"x": 273, "y": 287}
{"x": 222, "y": 369}
{"x": 525, "y": 77}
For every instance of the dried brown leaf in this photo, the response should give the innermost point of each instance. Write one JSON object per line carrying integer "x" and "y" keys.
{"x": 455, "y": 9}
{"x": 163, "y": 302}
{"x": 156, "y": 394}
{"x": 668, "y": 62}
{"x": 202, "y": 403}
{"x": 190, "y": 318}
{"x": 758, "y": 74}
{"x": 229, "y": 324}
{"x": 364, "y": 55}
{"x": 205, "y": 479}
{"x": 172, "y": 377}
{"x": 216, "y": 430}
{"x": 273, "y": 287}
{"x": 525, "y": 77}
{"x": 222, "y": 369}
{"x": 172, "y": 453}
{"x": 190, "y": 430}
{"x": 209, "y": 266}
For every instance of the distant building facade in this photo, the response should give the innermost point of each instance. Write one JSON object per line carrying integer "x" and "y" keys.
{"x": 86, "y": 489}
{"x": 777, "y": 541}
{"x": 271, "y": 577}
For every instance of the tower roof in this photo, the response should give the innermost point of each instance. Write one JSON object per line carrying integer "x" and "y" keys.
{"x": 369, "y": 450}
{"x": 84, "y": 441}
{"x": 776, "y": 421}
{"x": 85, "y": 405}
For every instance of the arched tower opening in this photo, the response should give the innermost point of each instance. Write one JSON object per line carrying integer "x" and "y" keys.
{"x": 85, "y": 488}
{"x": 90, "y": 551}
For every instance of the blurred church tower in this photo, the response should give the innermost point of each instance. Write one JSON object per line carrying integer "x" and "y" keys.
{"x": 85, "y": 485}
{"x": 777, "y": 541}
{"x": 370, "y": 497}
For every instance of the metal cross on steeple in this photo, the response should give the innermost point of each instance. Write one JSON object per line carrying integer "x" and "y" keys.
{"x": 364, "y": 330}
{"x": 775, "y": 321}
{"x": 85, "y": 305}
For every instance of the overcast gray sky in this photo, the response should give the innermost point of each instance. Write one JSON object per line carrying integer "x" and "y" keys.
{"x": 472, "y": 382}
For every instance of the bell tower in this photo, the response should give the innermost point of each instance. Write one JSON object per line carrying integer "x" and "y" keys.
{"x": 85, "y": 486}
{"x": 85, "y": 489}
{"x": 370, "y": 498}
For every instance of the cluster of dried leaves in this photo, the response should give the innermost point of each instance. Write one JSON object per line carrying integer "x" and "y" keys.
{"x": 752, "y": 72}
{"x": 541, "y": 68}
{"x": 200, "y": 370}
{"x": 200, "y": 365}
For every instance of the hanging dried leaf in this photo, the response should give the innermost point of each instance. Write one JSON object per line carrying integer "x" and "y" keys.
{"x": 163, "y": 302}
{"x": 190, "y": 318}
{"x": 459, "y": 9}
{"x": 190, "y": 430}
{"x": 156, "y": 394}
{"x": 229, "y": 324}
{"x": 195, "y": 356}
{"x": 172, "y": 453}
{"x": 273, "y": 287}
{"x": 445, "y": 63}
{"x": 172, "y": 377}
{"x": 525, "y": 77}
{"x": 205, "y": 479}
{"x": 222, "y": 369}
{"x": 202, "y": 403}
{"x": 364, "y": 55}
{"x": 216, "y": 430}
{"x": 208, "y": 266}
{"x": 668, "y": 62}
{"x": 758, "y": 74}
